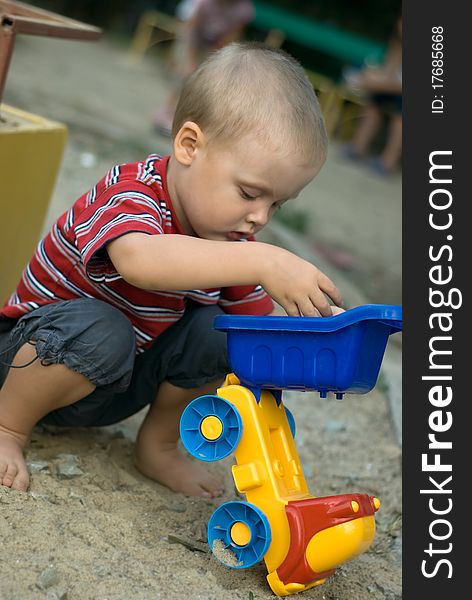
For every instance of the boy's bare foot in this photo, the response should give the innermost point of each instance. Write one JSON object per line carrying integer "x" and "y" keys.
{"x": 164, "y": 463}
{"x": 156, "y": 454}
{"x": 13, "y": 471}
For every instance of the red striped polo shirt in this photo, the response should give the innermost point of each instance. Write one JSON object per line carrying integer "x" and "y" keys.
{"x": 72, "y": 262}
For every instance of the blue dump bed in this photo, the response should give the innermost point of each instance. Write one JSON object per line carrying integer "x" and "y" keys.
{"x": 337, "y": 354}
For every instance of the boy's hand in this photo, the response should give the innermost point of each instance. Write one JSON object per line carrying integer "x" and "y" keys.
{"x": 279, "y": 311}
{"x": 298, "y": 286}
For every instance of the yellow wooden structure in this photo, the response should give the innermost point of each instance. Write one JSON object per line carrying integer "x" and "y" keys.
{"x": 31, "y": 149}
{"x": 31, "y": 146}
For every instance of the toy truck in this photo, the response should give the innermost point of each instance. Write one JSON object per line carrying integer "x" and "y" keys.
{"x": 301, "y": 538}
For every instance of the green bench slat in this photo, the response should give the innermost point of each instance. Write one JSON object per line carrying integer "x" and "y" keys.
{"x": 320, "y": 36}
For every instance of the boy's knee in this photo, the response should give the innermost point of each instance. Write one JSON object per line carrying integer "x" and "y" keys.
{"x": 201, "y": 355}
{"x": 87, "y": 335}
{"x": 203, "y": 341}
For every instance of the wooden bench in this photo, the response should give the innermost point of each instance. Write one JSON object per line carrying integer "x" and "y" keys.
{"x": 153, "y": 27}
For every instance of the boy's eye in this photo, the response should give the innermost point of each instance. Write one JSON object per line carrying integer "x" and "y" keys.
{"x": 246, "y": 195}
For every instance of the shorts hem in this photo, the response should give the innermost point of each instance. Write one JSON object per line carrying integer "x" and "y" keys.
{"x": 196, "y": 382}
{"x": 51, "y": 351}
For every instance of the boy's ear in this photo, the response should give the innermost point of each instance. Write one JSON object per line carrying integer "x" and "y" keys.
{"x": 188, "y": 140}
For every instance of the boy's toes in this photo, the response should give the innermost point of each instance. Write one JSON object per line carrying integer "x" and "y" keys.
{"x": 21, "y": 482}
{"x": 201, "y": 491}
{"x": 9, "y": 475}
{"x": 15, "y": 477}
{"x": 216, "y": 492}
{"x": 212, "y": 488}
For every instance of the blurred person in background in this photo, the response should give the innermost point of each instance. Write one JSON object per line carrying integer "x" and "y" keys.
{"x": 383, "y": 87}
{"x": 206, "y": 26}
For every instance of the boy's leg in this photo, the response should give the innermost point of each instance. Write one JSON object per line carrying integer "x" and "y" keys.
{"x": 66, "y": 350}
{"x": 27, "y": 395}
{"x": 156, "y": 453}
{"x": 186, "y": 361}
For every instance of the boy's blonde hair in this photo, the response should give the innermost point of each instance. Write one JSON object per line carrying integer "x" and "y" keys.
{"x": 252, "y": 88}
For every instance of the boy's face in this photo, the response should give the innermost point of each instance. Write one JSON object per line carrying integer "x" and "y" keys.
{"x": 229, "y": 192}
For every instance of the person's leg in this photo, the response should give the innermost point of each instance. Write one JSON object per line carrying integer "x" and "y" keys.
{"x": 393, "y": 149}
{"x": 367, "y": 129}
{"x": 192, "y": 362}
{"x": 65, "y": 351}
{"x": 186, "y": 61}
{"x": 163, "y": 117}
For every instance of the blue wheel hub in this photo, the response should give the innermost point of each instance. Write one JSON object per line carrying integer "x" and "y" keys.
{"x": 210, "y": 428}
{"x": 239, "y": 534}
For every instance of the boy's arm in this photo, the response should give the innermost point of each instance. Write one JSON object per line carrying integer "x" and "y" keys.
{"x": 179, "y": 262}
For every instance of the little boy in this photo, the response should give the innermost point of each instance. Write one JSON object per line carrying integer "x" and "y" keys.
{"x": 114, "y": 312}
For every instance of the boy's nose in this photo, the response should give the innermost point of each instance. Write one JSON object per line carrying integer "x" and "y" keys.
{"x": 258, "y": 218}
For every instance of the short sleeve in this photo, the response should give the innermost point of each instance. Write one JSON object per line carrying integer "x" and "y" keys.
{"x": 125, "y": 207}
{"x": 246, "y": 300}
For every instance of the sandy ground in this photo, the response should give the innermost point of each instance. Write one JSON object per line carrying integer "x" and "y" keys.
{"x": 91, "y": 527}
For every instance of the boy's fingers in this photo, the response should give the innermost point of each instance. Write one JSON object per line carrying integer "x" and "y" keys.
{"x": 291, "y": 309}
{"x": 321, "y": 304}
{"x": 308, "y": 309}
{"x": 334, "y": 294}
{"x": 328, "y": 287}
{"x": 325, "y": 310}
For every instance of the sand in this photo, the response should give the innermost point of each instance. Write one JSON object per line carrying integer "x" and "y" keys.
{"x": 92, "y": 528}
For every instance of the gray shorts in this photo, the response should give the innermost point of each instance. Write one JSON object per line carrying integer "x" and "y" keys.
{"x": 98, "y": 341}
